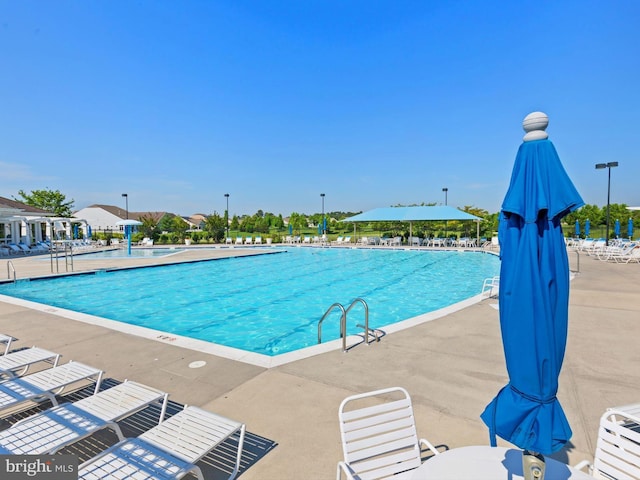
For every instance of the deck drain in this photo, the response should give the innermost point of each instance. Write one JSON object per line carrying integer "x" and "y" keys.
{"x": 197, "y": 364}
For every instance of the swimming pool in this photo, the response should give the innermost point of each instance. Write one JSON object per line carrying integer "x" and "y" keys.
{"x": 270, "y": 304}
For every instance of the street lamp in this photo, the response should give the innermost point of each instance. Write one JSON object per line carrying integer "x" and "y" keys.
{"x": 226, "y": 215}
{"x": 600, "y": 166}
{"x": 323, "y": 221}
{"x": 445, "y": 190}
{"x": 126, "y": 199}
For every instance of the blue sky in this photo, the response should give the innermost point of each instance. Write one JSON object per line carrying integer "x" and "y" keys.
{"x": 373, "y": 103}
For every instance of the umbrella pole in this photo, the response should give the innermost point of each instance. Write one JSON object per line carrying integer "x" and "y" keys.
{"x": 532, "y": 465}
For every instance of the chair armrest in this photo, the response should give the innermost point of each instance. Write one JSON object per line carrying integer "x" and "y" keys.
{"x": 583, "y": 464}
{"x": 427, "y": 444}
{"x": 343, "y": 467}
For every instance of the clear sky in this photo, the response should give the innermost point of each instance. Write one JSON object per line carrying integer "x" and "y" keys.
{"x": 373, "y": 103}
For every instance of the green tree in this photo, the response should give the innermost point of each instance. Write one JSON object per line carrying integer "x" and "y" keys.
{"x": 235, "y": 223}
{"x": 297, "y": 222}
{"x": 50, "y": 200}
{"x": 179, "y": 227}
{"x": 485, "y": 223}
{"x": 214, "y": 225}
{"x": 149, "y": 227}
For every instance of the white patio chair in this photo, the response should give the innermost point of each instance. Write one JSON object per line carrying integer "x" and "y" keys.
{"x": 380, "y": 440}
{"x": 618, "y": 447}
{"x": 49, "y": 431}
{"x": 168, "y": 450}
{"x": 490, "y": 285}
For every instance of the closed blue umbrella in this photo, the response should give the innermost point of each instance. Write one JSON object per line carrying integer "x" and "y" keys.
{"x": 587, "y": 228}
{"x": 577, "y": 228}
{"x": 630, "y": 228}
{"x": 533, "y": 299}
{"x": 89, "y": 231}
{"x": 616, "y": 229}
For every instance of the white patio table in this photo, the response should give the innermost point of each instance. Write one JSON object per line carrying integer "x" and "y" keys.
{"x": 488, "y": 463}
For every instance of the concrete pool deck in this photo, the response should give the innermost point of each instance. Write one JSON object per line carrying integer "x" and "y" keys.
{"x": 452, "y": 367}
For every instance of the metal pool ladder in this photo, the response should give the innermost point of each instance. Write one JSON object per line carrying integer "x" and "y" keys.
{"x": 11, "y": 268}
{"x": 343, "y": 322}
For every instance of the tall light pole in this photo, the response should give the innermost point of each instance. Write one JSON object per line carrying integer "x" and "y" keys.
{"x": 126, "y": 199}
{"x": 600, "y": 166}
{"x": 226, "y": 214}
{"x": 323, "y": 221}
{"x": 445, "y": 190}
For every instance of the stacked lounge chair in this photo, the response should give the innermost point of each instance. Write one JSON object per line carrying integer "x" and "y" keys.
{"x": 168, "y": 450}
{"x": 46, "y": 384}
{"x": 17, "y": 363}
{"x": 62, "y": 425}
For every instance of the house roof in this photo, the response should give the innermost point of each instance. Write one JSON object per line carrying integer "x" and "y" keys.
{"x": 121, "y": 213}
{"x": 411, "y": 214}
{"x": 6, "y": 203}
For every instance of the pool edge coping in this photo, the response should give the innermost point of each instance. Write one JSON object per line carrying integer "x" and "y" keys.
{"x": 230, "y": 353}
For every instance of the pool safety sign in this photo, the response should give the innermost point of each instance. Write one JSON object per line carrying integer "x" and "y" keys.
{"x": 38, "y": 467}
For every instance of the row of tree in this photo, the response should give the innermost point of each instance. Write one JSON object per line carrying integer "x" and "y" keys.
{"x": 216, "y": 226}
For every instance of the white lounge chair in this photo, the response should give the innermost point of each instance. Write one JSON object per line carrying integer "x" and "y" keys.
{"x": 379, "y": 441}
{"x": 248, "y": 241}
{"x": 238, "y": 240}
{"x": 337, "y": 241}
{"x": 258, "y": 241}
{"x": 17, "y": 363}
{"x": 618, "y": 447}
{"x": 228, "y": 241}
{"x": 168, "y": 450}
{"x": 306, "y": 239}
{"x": 630, "y": 255}
{"x": 49, "y": 431}
{"x": 6, "y": 339}
{"x": 46, "y": 384}
{"x": 490, "y": 285}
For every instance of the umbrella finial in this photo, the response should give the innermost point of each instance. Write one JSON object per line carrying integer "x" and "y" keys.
{"x": 535, "y": 125}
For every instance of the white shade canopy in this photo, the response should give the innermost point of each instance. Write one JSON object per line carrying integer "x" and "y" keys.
{"x": 122, "y": 223}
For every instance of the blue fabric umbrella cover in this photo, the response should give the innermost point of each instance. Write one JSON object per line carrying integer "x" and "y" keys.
{"x": 587, "y": 228}
{"x": 616, "y": 229}
{"x": 577, "y": 228}
{"x": 533, "y": 300}
{"x": 630, "y": 228}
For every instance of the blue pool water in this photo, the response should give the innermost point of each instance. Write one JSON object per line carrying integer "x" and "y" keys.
{"x": 123, "y": 253}
{"x": 270, "y": 304}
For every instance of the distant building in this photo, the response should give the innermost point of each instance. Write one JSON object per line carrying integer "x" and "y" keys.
{"x": 22, "y": 223}
{"x": 103, "y": 218}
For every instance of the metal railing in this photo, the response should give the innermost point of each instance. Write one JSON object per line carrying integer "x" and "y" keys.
{"x": 11, "y": 268}
{"x": 343, "y": 322}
